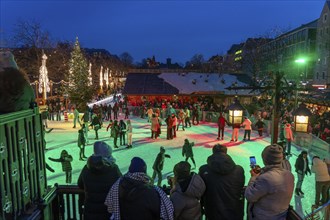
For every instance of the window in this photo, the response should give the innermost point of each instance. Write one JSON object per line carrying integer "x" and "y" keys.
{"x": 317, "y": 75}
{"x": 323, "y": 75}
{"x": 325, "y": 16}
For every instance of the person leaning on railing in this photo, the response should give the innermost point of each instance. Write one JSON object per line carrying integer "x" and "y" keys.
{"x": 16, "y": 93}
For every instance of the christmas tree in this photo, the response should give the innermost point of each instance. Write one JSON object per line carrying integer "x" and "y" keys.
{"x": 78, "y": 89}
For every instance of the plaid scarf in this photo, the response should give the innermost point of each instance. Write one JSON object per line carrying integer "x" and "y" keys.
{"x": 112, "y": 199}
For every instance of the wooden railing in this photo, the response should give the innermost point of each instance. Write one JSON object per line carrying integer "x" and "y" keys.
{"x": 22, "y": 163}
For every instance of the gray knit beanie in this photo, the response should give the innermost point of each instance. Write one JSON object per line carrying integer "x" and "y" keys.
{"x": 272, "y": 154}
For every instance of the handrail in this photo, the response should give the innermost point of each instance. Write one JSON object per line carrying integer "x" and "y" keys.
{"x": 316, "y": 214}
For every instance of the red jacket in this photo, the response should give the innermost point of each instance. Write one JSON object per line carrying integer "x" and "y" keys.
{"x": 222, "y": 122}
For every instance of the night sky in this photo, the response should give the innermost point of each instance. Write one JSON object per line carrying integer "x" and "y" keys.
{"x": 176, "y": 29}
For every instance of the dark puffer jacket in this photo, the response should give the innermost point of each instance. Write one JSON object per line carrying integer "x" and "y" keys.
{"x": 96, "y": 178}
{"x": 138, "y": 200}
{"x": 224, "y": 180}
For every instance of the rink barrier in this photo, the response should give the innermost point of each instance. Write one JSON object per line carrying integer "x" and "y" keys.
{"x": 64, "y": 202}
{"x": 23, "y": 182}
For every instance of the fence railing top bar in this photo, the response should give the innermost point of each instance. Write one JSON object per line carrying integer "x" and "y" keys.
{"x": 14, "y": 116}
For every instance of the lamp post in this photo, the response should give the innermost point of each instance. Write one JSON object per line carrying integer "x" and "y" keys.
{"x": 300, "y": 61}
{"x": 235, "y": 112}
{"x": 301, "y": 118}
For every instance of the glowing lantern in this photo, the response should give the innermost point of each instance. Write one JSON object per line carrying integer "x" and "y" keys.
{"x": 235, "y": 112}
{"x": 301, "y": 118}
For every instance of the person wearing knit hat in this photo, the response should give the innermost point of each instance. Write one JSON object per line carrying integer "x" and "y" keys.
{"x": 96, "y": 178}
{"x": 104, "y": 150}
{"x": 261, "y": 187}
{"x": 16, "y": 93}
{"x": 137, "y": 166}
{"x": 272, "y": 154}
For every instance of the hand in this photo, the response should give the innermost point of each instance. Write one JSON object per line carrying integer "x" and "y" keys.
{"x": 253, "y": 173}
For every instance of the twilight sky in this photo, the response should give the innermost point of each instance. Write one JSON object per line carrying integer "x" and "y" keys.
{"x": 165, "y": 28}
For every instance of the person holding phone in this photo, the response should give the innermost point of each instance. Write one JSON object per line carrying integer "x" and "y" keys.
{"x": 273, "y": 183}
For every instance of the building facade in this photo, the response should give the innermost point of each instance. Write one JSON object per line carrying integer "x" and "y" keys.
{"x": 293, "y": 53}
{"x": 322, "y": 66}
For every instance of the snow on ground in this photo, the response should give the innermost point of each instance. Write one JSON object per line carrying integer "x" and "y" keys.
{"x": 204, "y": 135}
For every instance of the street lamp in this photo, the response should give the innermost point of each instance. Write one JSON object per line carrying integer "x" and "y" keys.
{"x": 300, "y": 61}
{"x": 301, "y": 118}
{"x": 235, "y": 112}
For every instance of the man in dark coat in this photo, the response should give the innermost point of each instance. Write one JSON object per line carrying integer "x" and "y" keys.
{"x": 96, "y": 178}
{"x": 224, "y": 180}
{"x": 134, "y": 197}
{"x": 302, "y": 168}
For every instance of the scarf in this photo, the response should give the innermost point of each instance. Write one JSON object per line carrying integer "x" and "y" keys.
{"x": 112, "y": 199}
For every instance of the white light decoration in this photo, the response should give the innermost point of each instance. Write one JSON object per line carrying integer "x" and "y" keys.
{"x": 90, "y": 82}
{"x": 43, "y": 78}
{"x": 101, "y": 77}
{"x": 106, "y": 77}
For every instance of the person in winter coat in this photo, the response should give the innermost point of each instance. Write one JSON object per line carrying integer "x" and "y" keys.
{"x": 181, "y": 119}
{"x": 322, "y": 180}
{"x": 234, "y": 136}
{"x": 195, "y": 115}
{"x": 169, "y": 123}
{"x": 115, "y": 133}
{"x": 154, "y": 127}
{"x": 96, "y": 179}
{"x": 129, "y": 134}
{"x": 175, "y": 121}
{"x": 65, "y": 160}
{"x": 122, "y": 132}
{"x": 187, "y": 119}
{"x": 82, "y": 142}
{"x": 16, "y": 93}
{"x": 269, "y": 192}
{"x": 221, "y": 126}
{"x": 224, "y": 180}
{"x": 75, "y": 117}
{"x": 188, "y": 152}
{"x": 289, "y": 137}
{"x": 150, "y": 113}
{"x": 158, "y": 166}
{"x": 247, "y": 124}
{"x": 115, "y": 110}
{"x": 302, "y": 168}
{"x": 186, "y": 192}
{"x": 134, "y": 197}
{"x": 260, "y": 126}
{"x": 96, "y": 124}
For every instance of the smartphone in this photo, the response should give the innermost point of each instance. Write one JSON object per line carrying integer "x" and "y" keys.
{"x": 253, "y": 161}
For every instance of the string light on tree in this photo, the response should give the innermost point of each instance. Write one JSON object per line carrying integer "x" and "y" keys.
{"x": 106, "y": 77}
{"x": 101, "y": 78}
{"x": 90, "y": 82}
{"x": 43, "y": 78}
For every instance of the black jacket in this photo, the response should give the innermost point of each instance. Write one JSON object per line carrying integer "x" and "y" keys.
{"x": 224, "y": 180}
{"x": 138, "y": 200}
{"x": 299, "y": 165}
{"x": 96, "y": 178}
